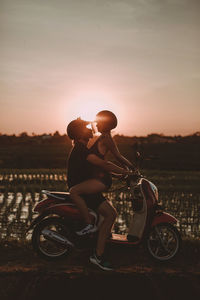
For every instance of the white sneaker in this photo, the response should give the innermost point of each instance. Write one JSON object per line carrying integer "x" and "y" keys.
{"x": 101, "y": 262}
{"x": 88, "y": 229}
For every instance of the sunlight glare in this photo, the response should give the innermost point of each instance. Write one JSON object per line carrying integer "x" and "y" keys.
{"x": 87, "y": 106}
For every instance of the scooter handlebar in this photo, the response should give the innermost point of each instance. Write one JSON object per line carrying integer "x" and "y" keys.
{"x": 133, "y": 177}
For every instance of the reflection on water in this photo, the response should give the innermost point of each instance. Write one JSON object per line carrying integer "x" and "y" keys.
{"x": 16, "y": 212}
{"x": 17, "y": 178}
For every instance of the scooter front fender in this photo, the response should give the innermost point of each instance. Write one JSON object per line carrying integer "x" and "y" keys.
{"x": 163, "y": 217}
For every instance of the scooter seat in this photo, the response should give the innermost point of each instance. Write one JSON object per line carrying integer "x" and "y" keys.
{"x": 62, "y": 196}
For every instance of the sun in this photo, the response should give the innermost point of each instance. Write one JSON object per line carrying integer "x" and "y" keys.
{"x": 88, "y": 109}
{"x": 87, "y": 106}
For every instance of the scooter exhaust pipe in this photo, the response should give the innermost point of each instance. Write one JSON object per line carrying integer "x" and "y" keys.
{"x": 54, "y": 236}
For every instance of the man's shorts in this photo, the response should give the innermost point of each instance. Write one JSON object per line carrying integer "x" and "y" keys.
{"x": 93, "y": 201}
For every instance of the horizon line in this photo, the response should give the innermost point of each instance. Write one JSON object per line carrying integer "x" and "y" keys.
{"x": 116, "y": 134}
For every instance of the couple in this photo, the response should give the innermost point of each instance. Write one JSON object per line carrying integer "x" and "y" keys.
{"x": 89, "y": 173}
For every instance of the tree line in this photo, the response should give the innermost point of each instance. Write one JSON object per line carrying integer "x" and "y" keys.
{"x": 51, "y": 150}
{"x": 56, "y": 137}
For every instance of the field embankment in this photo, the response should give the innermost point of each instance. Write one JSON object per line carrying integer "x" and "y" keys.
{"x": 25, "y": 276}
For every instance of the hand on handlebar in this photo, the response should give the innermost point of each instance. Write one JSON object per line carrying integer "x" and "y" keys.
{"x": 132, "y": 175}
{"x": 125, "y": 172}
{"x": 131, "y": 172}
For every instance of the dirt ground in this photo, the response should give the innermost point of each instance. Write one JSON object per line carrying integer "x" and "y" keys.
{"x": 25, "y": 276}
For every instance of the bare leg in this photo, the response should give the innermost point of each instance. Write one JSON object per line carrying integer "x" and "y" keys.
{"x": 91, "y": 186}
{"x": 109, "y": 213}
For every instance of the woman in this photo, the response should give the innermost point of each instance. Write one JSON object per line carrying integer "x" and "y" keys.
{"x": 106, "y": 121}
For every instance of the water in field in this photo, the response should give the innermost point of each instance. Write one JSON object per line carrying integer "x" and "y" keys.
{"x": 16, "y": 212}
{"x": 21, "y": 191}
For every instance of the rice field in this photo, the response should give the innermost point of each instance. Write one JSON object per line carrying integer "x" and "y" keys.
{"x": 20, "y": 190}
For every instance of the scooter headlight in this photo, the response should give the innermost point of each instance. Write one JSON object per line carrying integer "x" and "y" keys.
{"x": 154, "y": 189}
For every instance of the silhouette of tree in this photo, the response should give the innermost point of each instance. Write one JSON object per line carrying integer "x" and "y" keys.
{"x": 56, "y": 134}
{"x": 23, "y": 134}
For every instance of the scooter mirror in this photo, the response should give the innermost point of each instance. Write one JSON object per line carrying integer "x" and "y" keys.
{"x": 138, "y": 155}
{"x": 138, "y": 159}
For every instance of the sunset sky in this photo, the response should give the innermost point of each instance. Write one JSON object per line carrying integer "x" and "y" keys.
{"x": 61, "y": 59}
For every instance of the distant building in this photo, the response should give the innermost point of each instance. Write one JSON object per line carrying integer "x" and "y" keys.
{"x": 46, "y": 136}
{"x": 153, "y": 139}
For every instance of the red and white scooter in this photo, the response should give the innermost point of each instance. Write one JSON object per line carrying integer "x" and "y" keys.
{"x": 54, "y": 228}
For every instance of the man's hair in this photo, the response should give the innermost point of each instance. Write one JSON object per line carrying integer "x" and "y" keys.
{"x": 76, "y": 128}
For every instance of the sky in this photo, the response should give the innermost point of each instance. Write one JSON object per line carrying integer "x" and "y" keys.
{"x": 63, "y": 59}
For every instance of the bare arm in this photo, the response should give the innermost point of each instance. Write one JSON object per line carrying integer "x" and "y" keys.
{"x": 110, "y": 144}
{"x": 107, "y": 165}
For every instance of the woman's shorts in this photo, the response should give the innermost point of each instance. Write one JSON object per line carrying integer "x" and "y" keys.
{"x": 93, "y": 201}
{"x": 106, "y": 179}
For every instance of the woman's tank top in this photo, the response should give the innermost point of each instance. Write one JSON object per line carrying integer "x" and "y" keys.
{"x": 99, "y": 173}
{"x": 95, "y": 150}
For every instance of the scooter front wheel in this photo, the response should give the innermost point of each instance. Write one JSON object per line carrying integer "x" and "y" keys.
{"x": 163, "y": 242}
{"x": 48, "y": 239}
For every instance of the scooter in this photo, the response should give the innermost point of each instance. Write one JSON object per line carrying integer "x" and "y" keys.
{"x": 54, "y": 229}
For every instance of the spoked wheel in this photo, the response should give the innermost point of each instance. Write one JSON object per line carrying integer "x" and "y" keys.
{"x": 163, "y": 242}
{"x": 48, "y": 239}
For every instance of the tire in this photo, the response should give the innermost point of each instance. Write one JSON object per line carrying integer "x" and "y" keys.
{"x": 163, "y": 242}
{"x": 47, "y": 248}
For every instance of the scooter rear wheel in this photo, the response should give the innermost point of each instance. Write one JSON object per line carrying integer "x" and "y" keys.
{"x": 163, "y": 242}
{"x": 48, "y": 248}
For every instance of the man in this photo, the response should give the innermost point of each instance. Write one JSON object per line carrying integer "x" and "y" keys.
{"x": 80, "y": 168}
